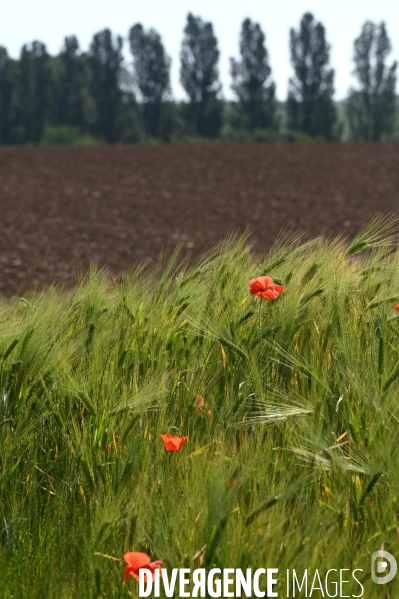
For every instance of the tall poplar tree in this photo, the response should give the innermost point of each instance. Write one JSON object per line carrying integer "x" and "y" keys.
{"x": 371, "y": 108}
{"x": 151, "y": 74}
{"x": 71, "y": 86}
{"x": 105, "y": 60}
{"x": 7, "y": 86}
{"x": 310, "y": 97}
{"x": 33, "y": 90}
{"x": 199, "y": 75}
{"x": 251, "y": 78}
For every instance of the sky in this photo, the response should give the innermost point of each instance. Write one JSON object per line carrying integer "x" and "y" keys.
{"x": 50, "y": 21}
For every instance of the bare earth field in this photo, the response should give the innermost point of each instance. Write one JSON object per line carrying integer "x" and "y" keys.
{"x": 62, "y": 209}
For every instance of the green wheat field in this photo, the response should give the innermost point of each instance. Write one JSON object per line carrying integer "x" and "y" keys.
{"x": 295, "y": 466}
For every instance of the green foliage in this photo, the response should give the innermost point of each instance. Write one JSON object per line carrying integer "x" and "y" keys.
{"x": 265, "y": 136}
{"x": 251, "y": 78}
{"x": 199, "y": 75}
{"x": 310, "y": 106}
{"x": 371, "y": 109}
{"x": 66, "y": 135}
{"x": 296, "y": 468}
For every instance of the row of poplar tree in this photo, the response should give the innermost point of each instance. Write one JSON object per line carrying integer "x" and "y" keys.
{"x": 95, "y": 95}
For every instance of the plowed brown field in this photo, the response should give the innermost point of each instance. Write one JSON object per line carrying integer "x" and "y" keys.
{"x": 64, "y": 208}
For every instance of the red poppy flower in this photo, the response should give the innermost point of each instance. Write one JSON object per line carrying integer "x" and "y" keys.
{"x": 264, "y": 288}
{"x": 396, "y": 307}
{"x": 136, "y": 561}
{"x": 173, "y": 443}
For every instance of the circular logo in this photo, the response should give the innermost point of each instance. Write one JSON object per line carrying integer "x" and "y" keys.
{"x": 381, "y": 566}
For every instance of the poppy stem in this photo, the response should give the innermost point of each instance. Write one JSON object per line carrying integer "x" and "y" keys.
{"x": 260, "y": 321}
